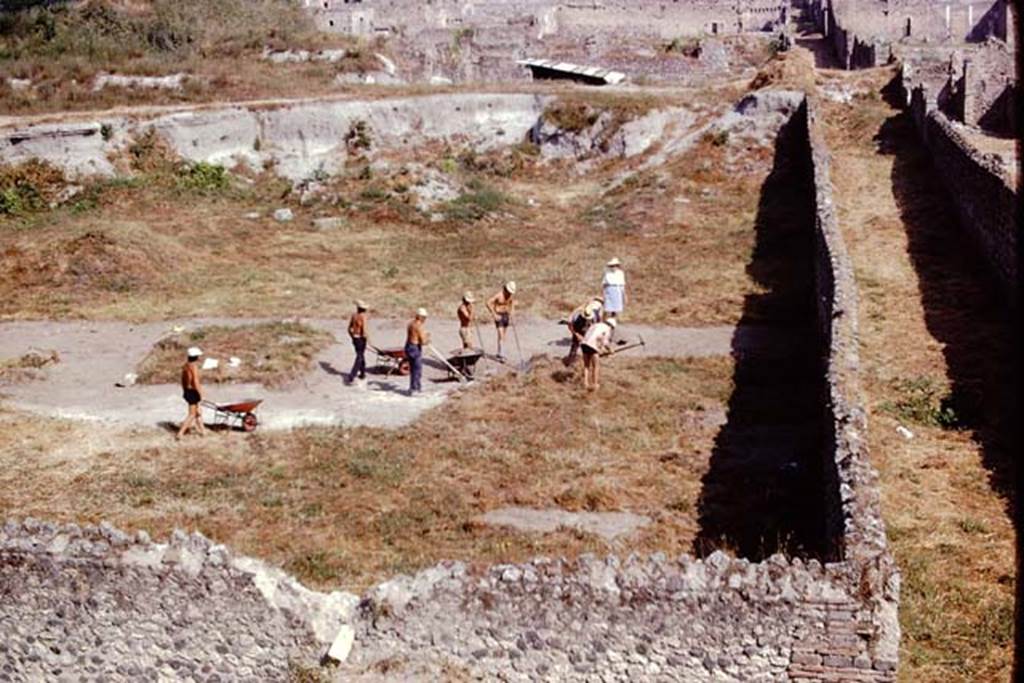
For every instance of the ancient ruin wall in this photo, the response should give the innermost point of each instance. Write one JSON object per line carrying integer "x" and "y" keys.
{"x": 93, "y": 602}
{"x": 980, "y": 186}
{"x": 549, "y": 17}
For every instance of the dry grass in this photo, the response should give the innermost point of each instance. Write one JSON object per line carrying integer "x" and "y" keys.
{"x": 155, "y": 247}
{"x": 351, "y": 507}
{"x": 61, "y": 49}
{"x": 270, "y": 353}
{"x": 928, "y": 321}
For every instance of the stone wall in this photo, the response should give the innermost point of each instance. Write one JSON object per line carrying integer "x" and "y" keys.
{"x": 866, "y": 33}
{"x": 94, "y": 603}
{"x": 980, "y": 185}
{"x": 549, "y": 17}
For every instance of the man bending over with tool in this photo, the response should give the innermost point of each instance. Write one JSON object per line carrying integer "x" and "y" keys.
{"x": 192, "y": 392}
{"x": 502, "y": 305}
{"x": 357, "y": 331}
{"x": 596, "y": 341}
{"x": 416, "y": 338}
{"x": 579, "y": 322}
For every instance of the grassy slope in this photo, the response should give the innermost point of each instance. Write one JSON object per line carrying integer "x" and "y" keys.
{"x": 927, "y": 320}
{"x": 156, "y": 247}
{"x": 219, "y": 44}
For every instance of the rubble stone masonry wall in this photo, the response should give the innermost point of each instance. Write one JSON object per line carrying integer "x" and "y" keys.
{"x": 94, "y": 601}
{"x": 980, "y": 186}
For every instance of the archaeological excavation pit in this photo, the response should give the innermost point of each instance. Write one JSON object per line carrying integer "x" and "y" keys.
{"x": 719, "y": 494}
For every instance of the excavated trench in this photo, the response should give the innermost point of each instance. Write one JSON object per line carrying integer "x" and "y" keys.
{"x": 773, "y": 609}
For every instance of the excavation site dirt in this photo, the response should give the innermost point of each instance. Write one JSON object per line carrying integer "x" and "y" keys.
{"x": 708, "y": 512}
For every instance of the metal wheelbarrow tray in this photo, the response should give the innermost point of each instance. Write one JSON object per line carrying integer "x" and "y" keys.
{"x": 241, "y": 414}
{"x": 392, "y": 360}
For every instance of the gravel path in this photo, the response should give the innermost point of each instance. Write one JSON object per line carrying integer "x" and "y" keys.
{"x": 97, "y": 355}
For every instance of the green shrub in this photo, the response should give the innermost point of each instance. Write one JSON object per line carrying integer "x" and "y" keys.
{"x": 204, "y": 177}
{"x": 478, "y": 202}
{"x": 920, "y": 401}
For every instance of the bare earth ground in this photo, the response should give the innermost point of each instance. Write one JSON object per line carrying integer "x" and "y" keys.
{"x": 930, "y": 327}
{"x": 94, "y": 356}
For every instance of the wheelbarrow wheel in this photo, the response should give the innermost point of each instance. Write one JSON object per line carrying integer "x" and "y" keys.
{"x": 249, "y": 422}
{"x": 404, "y": 368}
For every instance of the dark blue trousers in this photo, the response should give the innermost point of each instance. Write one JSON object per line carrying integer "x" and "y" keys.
{"x": 414, "y": 353}
{"x": 359, "y": 367}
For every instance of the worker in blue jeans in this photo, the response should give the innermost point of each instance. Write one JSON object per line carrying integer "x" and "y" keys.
{"x": 415, "y": 339}
{"x": 357, "y": 331}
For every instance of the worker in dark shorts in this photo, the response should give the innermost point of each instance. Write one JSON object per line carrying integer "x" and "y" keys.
{"x": 579, "y": 322}
{"x": 357, "y": 332}
{"x": 416, "y": 338}
{"x": 595, "y": 342}
{"x": 502, "y": 305}
{"x": 192, "y": 392}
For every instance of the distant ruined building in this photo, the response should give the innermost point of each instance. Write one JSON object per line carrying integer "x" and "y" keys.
{"x": 661, "y": 18}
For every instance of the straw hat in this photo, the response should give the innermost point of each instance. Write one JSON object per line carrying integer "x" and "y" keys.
{"x": 592, "y": 307}
{"x": 421, "y": 313}
{"x": 612, "y": 323}
{"x": 361, "y": 305}
{"x": 615, "y": 262}
{"x": 194, "y": 352}
{"x": 511, "y": 287}
{"x": 467, "y": 297}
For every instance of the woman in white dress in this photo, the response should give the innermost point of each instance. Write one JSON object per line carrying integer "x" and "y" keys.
{"x": 614, "y": 286}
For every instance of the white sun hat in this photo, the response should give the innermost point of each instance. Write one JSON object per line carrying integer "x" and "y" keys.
{"x": 467, "y": 297}
{"x": 614, "y": 262}
{"x": 421, "y": 312}
{"x": 194, "y": 352}
{"x": 511, "y": 286}
{"x": 362, "y": 304}
{"x": 612, "y": 323}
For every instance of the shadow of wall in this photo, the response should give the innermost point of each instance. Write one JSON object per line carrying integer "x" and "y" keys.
{"x": 762, "y": 493}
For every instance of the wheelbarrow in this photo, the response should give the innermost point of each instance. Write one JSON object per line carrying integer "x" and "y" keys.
{"x": 463, "y": 361}
{"x": 241, "y": 415}
{"x": 392, "y": 359}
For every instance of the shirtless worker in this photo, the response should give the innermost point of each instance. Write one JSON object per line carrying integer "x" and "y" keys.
{"x": 192, "y": 392}
{"x": 416, "y": 337}
{"x": 502, "y": 305}
{"x": 579, "y": 322}
{"x": 360, "y": 338}
{"x": 465, "y": 314}
{"x": 596, "y": 341}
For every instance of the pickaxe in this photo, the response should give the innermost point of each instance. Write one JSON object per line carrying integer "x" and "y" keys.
{"x": 626, "y": 347}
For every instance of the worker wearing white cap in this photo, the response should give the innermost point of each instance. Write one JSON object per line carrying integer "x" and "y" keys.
{"x": 596, "y": 341}
{"x": 502, "y": 306}
{"x": 416, "y": 338}
{"x": 360, "y": 338}
{"x": 614, "y": 286}
{"x": 465, "y": 314}
{"x": 192, "y": 392}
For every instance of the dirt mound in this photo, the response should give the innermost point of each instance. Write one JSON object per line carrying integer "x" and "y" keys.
{"x": 94, "y": 260}
{"x": 794, "y": 70}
